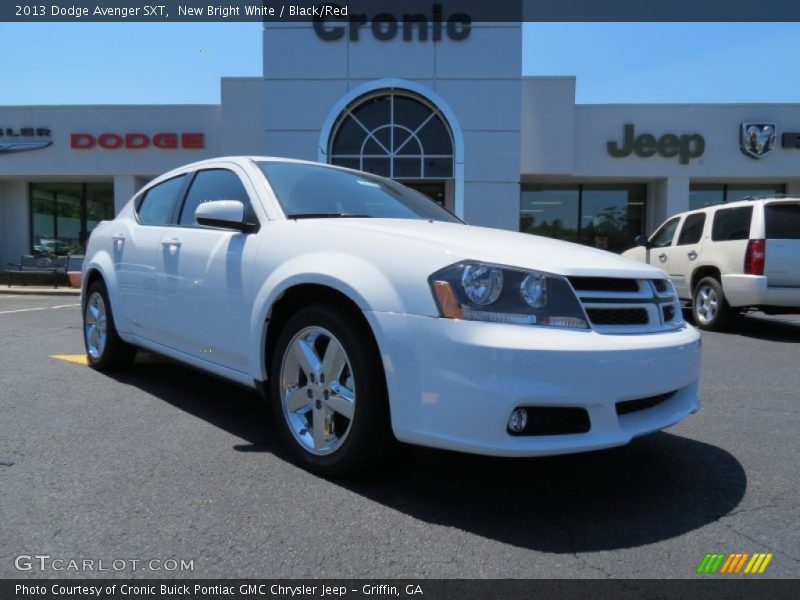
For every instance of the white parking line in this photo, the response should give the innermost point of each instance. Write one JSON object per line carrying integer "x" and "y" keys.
{"x": 20, "y": 310}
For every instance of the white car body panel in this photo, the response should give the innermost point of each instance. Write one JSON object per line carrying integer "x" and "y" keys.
{"x": 207, "y": 301}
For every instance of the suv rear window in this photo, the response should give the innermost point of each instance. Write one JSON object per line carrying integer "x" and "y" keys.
{"x": 783, "y": 221}
{"x": 732, "y": 224}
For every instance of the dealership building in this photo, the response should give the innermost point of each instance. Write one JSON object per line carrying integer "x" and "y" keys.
{"x": 443, "y": 108}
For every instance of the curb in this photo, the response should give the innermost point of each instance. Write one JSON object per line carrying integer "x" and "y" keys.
{"x": 22, "y": 291}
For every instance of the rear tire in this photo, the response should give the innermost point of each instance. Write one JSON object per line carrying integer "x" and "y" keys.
{"x": 105, "y": 350}
{"x": 710, "y": 309}
{"x": 328, "y": 391}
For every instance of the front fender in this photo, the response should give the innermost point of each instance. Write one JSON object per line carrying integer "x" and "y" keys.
{"x": 355, "y": 277}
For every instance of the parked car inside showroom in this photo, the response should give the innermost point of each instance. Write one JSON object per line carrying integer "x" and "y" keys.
{"x": 730, "y": 258}
{"x": 367, "y": 313}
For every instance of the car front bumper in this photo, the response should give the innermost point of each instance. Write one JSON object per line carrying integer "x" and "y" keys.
{"x": 453, "y": 384}
{"x": 752, "y": 290}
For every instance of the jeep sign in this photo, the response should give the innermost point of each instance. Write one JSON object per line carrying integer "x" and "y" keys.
{"x": 669, "y": 145}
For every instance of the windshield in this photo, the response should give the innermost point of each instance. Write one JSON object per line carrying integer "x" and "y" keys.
{"x": 316, "y": 191}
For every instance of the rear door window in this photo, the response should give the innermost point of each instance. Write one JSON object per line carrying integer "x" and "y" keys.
{"x": 783, "y": 221}
{"x": 732, "y": 224}
{"x": 159, "y": 201}
{"x": 692, "y": 229}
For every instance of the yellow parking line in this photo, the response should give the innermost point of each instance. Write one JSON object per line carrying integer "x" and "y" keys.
{"x": 78, "y": 359}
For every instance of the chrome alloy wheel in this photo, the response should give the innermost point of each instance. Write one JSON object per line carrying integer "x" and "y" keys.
{"x": 317, "y": 390}
{"x": 95, "y": 324}
{"x": 706, "y": 304}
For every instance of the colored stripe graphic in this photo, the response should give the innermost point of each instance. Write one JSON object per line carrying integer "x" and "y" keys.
{"x": 764, "y": 564}
{"x": 702, "y": 566}
{"x": 741, "y": 562}
{"x": 711, "y": 562}
{"x": 734, "y": 562}
{"x": 727, "y": 566}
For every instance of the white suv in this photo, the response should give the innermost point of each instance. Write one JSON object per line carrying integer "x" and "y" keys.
{"x": 730, "y": 257}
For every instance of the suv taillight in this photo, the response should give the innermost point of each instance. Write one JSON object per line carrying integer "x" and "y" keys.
{"x": 754, "y": 257}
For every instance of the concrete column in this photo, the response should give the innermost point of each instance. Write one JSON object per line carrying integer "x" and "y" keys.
{"x": 793, "y": 187}
{"x": 15, "y": 230}
{"x": 125, "y": 186}
{"x": 666, "y": 197}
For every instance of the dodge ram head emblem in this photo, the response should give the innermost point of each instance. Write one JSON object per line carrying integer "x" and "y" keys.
{"x": 757, "y": 139}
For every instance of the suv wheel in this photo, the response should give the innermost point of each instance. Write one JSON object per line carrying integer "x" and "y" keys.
{"x": 105, "y": 350}
{"x": 709, "y": 308}
{"x": 328, "y": 390}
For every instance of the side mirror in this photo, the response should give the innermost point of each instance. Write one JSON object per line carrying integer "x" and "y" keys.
{"x": 222, "y": 214}
{"x": 641, "y": 240}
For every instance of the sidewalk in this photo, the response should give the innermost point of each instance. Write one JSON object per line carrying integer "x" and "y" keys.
{"x": 39, "y": 290}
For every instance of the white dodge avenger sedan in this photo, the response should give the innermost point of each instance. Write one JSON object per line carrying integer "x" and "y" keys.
{"x": 366, "y": 312}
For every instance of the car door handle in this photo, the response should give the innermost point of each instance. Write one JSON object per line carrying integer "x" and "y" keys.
{"x": 118, "y": 237}
{"x": 662, "y": 257}
{"x": 173, "y": 243}
{"x": 692, "y": 255}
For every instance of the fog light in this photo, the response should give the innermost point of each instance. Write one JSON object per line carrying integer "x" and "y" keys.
{"x": 518, "y": 420}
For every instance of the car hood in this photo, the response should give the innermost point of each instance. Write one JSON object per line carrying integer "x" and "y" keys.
{"x": 456, "y": 241}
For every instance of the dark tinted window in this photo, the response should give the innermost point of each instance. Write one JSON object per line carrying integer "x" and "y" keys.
{"x": 159, "y": 201}
{"x": 305, "y": 191}
{"x": 783, "y": 221}
{"x": 732, "y": 224}
{"x": 663, "y": 237}
{"x": 692, "y": 229}
{"x": 212, "y": 184}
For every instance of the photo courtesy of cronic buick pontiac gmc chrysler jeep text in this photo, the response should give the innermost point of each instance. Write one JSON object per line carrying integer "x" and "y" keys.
{"x": 731, "y": 257}
{"x": 366, "y": 312}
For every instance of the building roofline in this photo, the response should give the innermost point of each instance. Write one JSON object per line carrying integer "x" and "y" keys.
{"x": 116, "y": 106}
{"x": 686, "y": 104}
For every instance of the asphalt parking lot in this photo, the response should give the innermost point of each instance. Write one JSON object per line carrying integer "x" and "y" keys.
{"x": 162, "y": 462}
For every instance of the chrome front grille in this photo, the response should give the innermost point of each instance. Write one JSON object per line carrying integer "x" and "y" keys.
{"x": 624, "y": 305}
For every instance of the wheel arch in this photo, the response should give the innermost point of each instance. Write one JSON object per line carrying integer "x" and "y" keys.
{"x": 704, "y": 271}
{"x": 101, "y": 267}
{"x": 294, "y": 297}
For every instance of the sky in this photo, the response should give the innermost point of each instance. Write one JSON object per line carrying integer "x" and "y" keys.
{"x": 180, "y": 63}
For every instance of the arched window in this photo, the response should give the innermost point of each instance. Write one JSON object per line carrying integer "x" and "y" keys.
{"x": 394, "y": 134}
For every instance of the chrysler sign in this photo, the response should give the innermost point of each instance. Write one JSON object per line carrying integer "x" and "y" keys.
{"x": 23, "y": 139}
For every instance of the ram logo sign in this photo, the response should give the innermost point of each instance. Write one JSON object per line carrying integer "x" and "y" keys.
{"x": 757, "y": 139}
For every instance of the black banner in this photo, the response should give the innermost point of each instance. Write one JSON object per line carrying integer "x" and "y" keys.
{"x": 733, "y": 588}
{"x": 476, "y": 11}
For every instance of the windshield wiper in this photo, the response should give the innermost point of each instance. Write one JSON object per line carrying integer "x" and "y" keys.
{"x": 327, "y": 216}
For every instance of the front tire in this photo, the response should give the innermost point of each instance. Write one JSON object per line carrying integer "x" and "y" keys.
{"x": 710, "y": 309}
{"x": 105, "y": 350}
{"x": 328, "y": 391}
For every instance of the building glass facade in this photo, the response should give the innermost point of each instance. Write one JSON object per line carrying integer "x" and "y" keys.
{"x": 603, "y": 216}
{"x": 63, "y": 214}
{"x": 706, "y": 194}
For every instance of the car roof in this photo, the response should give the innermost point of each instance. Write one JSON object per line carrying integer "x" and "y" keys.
{"x": 745, "y": 202}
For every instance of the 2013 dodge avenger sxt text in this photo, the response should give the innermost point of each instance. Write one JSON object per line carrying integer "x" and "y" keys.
{"x": 366, "y": 311}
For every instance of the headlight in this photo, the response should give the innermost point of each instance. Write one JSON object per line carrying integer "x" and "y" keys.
{"x": 484, "y": 292}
